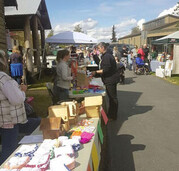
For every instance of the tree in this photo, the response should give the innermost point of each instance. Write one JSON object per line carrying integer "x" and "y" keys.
{"x": 78, "y": 28}
{"x": 176, "y": 10}
{"x": 51, "y": 33}
{"x": 113, "y": 34}
{"x": 135, "y": 30}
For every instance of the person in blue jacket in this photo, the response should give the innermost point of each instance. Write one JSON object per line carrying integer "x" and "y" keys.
{"x": 139, "y": 61}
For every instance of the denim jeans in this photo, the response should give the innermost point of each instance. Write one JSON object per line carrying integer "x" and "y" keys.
{"x": 18, "y": 79}
{"x": 62, "y": 94}
{"x": 9, "y": 137}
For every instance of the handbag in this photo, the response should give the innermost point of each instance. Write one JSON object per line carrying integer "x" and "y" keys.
{"x": 28, "y": 108}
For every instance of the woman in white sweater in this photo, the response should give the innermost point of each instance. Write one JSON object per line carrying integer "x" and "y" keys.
{"x": 63, "y": 78}
{"x": 12, "y": 111}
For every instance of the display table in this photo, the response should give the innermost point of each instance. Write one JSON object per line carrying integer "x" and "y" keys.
{"x": 155, "y": 64}
{"x": 94, "y": 81}
{"x": 74, "y": 96}
{"x": 92, "y": 67}
{"x": 84, "y": 156}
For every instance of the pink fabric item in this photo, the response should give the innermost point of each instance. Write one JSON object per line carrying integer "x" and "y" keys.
{"x": 86, "y": 137}
{"x": 29, "y": 100}
{"x": 140, "y": 51}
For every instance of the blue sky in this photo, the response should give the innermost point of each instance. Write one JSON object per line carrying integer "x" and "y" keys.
{"x": 96, "y": 17}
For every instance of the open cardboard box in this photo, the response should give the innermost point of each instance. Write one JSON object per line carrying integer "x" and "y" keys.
{"x": 73, "y": 111}
{"x": 51, "y": 127}
{"x": 60, "y": 111}
{"x": 92, "y": 106}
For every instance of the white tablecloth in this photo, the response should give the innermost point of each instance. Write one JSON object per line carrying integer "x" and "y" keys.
{"x": 155, "y": 64}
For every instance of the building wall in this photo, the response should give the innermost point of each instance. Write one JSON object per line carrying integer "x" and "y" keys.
{"x": 134, "y": 40}
{"x": 153, "y": 30}
{"x": 151, "y": 25}
{"x": 170, "y": 19}
{"x": 154, "y": 24}
{"x": 164, "y": 31}
{"x": 2, "y": 27}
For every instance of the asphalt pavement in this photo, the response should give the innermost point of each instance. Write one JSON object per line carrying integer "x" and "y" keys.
{"x": 146, "y": 135}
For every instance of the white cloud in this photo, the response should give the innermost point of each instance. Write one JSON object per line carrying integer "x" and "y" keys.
{"x": 86, "y": 24}
{"x": 89, "y": 26}
{"x": 126, "y": 23}
{"x": 140, "y": 23}
{"x": 167, "y": 11}
{"x": 101, "y": 33}
{"x": 124, "y": 28}
{"x": 63, "y": 27}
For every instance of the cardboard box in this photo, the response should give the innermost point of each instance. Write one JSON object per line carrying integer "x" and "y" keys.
{"x": 82, "y": 79}
{"x": 51, "y": 127}
{"x": 92, "y": 106}
{"x": 60, "y": 111}
{"x": 73, "y": 120}
{"x": 73, "y": 111}
{"x": 73, "y": 107}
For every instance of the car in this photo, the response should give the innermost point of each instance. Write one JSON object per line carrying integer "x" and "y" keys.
{"x": 120, "y": 46}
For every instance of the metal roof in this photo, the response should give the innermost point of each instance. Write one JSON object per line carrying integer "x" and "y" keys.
{"x": 25, "y": 7}
{"x": 15, "y": 17}
{"x": 170, "y": 15}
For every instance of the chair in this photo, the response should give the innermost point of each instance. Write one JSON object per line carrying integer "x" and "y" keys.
{"x": 49, "y": 86}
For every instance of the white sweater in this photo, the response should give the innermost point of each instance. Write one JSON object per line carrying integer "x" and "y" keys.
{"x": 12, "y": 109}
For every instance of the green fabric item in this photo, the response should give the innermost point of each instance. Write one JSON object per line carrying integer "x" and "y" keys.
{"x": 101, "y": 136}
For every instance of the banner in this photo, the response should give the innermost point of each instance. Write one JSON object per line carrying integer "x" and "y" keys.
{"x": 105, "y": 118}
{"x": 100, "y": 132}
{"x": 95, "y": 158}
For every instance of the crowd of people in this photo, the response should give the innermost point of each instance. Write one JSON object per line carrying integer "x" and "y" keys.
{"x": 111, "y": 65}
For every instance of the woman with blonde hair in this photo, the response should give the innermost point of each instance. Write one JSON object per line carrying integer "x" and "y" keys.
{"x": 16, "y": 66}
{"x": 116, "y": 54}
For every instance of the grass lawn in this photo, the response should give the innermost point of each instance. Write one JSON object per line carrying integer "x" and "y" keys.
{"x": 42, "y": 100}
{"x": 174, "y": 79}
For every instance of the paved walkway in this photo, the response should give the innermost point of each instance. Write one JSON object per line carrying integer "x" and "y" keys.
{"x": 146, "y": 135}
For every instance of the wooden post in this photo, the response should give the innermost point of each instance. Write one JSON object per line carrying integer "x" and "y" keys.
{"x": 3, "y": 45}
{"x": 35, "y": 38}
{"x": 28, "y": 53}
{"x": 42, "y": 31}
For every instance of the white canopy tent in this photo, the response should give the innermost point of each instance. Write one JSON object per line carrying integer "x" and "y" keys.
{"x": 69, "y": 37}
{"x": 174, "y": 40}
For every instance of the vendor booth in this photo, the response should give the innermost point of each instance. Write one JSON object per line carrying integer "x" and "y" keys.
{"x": 172, "y": 41}
{"x": 65, "y": 140}
{"x": 69, "y": 37}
